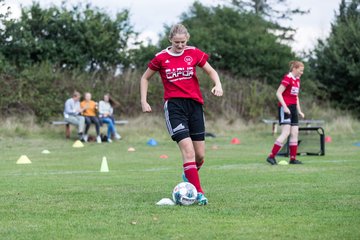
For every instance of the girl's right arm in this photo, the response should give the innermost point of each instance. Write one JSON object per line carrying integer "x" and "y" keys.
{"x": 144, "y": 83}
{"x": 279, "y": 96}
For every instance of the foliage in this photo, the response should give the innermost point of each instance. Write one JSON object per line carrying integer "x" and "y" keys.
{"x": 141, "y": 56}
{"x": 41, "y": 90}
{"x": 238, "y": 43}
{"x": 336, "y": 60}
{"x": 81, "y": 37}
{"x": 49, "y": 52}
{"x": 273, "y": 11}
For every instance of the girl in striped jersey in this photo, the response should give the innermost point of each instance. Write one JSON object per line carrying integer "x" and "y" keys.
{"x": 289, "y": 109}
{"x": 183, "y": 100}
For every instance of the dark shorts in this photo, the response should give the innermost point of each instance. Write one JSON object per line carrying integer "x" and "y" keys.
{"x": 184, "y": 118}
{"x": 292, "y": 118}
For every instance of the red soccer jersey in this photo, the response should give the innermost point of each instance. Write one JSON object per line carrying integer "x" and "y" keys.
{"x": 292, "y": 87}
{"x": 178, "y": 72}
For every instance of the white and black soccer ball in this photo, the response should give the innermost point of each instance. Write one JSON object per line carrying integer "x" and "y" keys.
{"x": 184, "y": 194}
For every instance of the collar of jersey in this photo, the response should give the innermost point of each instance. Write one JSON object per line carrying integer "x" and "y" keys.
{"x": 292, "y": 76}
{"x": 174, "y": 54}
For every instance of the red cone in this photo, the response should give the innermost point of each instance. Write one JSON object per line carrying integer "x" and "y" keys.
{"x": 235, "y": 141}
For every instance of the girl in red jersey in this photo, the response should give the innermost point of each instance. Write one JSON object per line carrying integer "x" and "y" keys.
{"x": 183, "y": 100}
{"x": 289, "y": 109}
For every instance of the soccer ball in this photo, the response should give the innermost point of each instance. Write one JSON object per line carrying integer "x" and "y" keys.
{"x": 184, "y": 194}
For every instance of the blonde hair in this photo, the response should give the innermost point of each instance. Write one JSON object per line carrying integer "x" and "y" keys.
{"x": 295, "y": 64}
{"x": 178, "y": 29}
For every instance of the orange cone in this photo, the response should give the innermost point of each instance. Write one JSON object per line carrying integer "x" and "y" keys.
{"x": 235, "y": 141}
{"x": 328, "y": 139}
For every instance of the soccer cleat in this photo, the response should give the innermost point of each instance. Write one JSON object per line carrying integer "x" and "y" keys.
{"x": 271, "y": 160}
{"x": 109, "y": 140}
{"x": 201, "y": 199}
{"x": 295, "y": 162}
{"x": 98, "y": 139}
{"x": 184, "y": 178}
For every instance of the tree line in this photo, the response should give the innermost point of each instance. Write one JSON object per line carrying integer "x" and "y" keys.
{"x": 49, "y": 52}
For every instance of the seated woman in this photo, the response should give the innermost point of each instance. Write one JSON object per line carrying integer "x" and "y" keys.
{"x": 90, "y": 110}
{"x": 106, "y": 115}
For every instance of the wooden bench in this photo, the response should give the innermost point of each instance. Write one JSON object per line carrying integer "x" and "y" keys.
{"x": 67, "y": 125}
{"x": 308, "y": 123}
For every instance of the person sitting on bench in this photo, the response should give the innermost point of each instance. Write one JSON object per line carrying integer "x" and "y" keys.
{"x": 72, "y": 113}
{"x": 106, "y": 116}
{"x": 90, "y": 111}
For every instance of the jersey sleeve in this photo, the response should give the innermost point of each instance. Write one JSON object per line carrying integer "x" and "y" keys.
{"x": 285, "y": 81}
{"x": 202, "y": 57}
{"x": 155, "y": 64}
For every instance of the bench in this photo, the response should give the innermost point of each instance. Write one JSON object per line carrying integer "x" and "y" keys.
{"x": 308, "y": 123}
{"x": 67, "y": 125}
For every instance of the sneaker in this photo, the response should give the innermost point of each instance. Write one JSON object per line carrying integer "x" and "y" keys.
{"x": 295, "y": 162}
{"x": 184, "y": 178}
{"x": 85, "y": 137}
{"x": 98, "y": 139}
{"x": 271, "y": 160}
{"x": 109, "y": 140}
{"x": 117, "y": 136}
{"x": 201, "y": 199}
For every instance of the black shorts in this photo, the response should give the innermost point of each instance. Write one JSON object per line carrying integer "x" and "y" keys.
{"x": 184, "y": 118}
{"x": 292, "y": 118}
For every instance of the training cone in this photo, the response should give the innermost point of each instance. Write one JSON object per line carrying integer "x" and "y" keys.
{"x": 235, "y": 141}
{"x": 45, "y": 151}
{"x": 104, "y": 165}
{"x": 283, "y": 162}
{"x": 23, "y": 160}
{"x": 78, "y": 144}
{"x": 152, "y": 142}
{"x": 164, "y": 156}
{"x": 328, "y": 139}
{"x": 131, "y": 149}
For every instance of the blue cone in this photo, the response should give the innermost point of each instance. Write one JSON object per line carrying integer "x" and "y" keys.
{"x": 152, "y": 142}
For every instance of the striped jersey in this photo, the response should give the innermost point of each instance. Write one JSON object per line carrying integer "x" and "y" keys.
{"x": 178, "y": 72}
{"x": 292, "y": 87}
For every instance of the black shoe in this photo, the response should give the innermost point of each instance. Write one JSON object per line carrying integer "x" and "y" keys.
{"x": 271, "y": 160}
{"x": 295, "y": 162}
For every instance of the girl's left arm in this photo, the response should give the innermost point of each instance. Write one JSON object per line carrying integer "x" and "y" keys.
{"x": 217, "y": 89}
{"x": 299, "y": 108}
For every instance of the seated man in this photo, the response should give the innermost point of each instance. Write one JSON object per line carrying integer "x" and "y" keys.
{"x": 72, "y": 113}
{"x": 90, "y": 110}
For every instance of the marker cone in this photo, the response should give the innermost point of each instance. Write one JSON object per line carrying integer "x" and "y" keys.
{"x": 104, "y": 166}
{"x": 235, "y": 141}
{"x": 78, "y": 144}
{"x": 23, "y": 160}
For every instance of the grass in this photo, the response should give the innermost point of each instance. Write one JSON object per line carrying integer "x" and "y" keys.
{"x": 63, "y": 195}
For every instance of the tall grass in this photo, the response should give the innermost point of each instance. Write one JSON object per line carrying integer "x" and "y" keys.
{"x": 248, "y": 99}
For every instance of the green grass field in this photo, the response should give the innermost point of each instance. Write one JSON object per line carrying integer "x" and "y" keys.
{"x": 63, "y": 195}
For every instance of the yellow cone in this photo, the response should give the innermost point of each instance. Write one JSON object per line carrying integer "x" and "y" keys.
{"x": 104, "y": 165}
{"x": 78, "y": 144}
{"x": 283, "y": 162}
{"x": 131, "y": 149}
{"x": 23, "y": 160}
